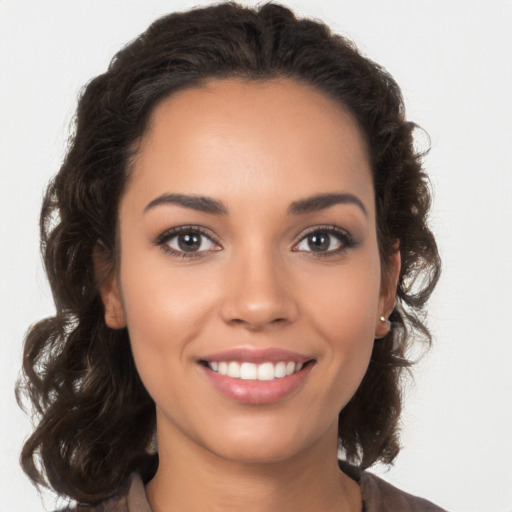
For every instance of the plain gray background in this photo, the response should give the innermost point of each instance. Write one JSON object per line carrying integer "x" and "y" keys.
{"x": 453, "y": 60}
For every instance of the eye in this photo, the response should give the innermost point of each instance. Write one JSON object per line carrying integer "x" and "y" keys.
{"x": 187, "y": 241}
{"x": 324, "y": 241}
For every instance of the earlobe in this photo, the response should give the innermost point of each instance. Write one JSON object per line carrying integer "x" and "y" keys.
{"x": 383, "y": 328}
{"x": 114, "y": 312}
{"x": 109, "y": 291}
{"x": 388, "y": 294}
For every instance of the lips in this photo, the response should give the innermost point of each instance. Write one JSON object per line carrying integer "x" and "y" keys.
{"x": 256, "y": 376}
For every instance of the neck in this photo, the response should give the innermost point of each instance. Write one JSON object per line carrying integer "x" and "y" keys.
{"x": 191, "y": 478}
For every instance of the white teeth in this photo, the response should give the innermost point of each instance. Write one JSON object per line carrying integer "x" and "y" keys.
{"x": 248, "y": 371}
{"x": 266, "y": 371}
{"x": 223, "y": 368}
{"x": 233, "y": 370}
{"x": 280, "y": 370}
{"x": 251, "y": 371}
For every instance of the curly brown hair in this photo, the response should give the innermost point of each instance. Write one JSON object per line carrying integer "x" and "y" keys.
{"x": 96, "y": 421}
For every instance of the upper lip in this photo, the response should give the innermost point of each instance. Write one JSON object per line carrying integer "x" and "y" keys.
{"x": 257, "y": 356}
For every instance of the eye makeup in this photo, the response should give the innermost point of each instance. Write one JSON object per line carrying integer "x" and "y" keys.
{"x": 193, "y": 241}
{"x": 187, "y": 241}
{"x": 325, "y": 241}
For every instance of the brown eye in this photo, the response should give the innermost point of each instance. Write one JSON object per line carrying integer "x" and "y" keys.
{"x": 189, "y": 242}
{"x": 320, "y": 241}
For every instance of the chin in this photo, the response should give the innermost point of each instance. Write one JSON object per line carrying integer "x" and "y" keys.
{"x": 259, "y": 453}
{"x": 271, "y": 443}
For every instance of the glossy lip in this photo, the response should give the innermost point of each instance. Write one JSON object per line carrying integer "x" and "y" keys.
{"x": 256, "y": 392}
{"x": 257, "y": 356}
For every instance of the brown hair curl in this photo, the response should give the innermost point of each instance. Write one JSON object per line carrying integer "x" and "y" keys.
{"x": 96, "y": 420}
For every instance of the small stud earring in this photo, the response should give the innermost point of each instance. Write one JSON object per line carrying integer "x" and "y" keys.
{"x": 384, "y": 320}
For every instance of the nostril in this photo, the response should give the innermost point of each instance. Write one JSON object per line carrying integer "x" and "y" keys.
{"x": 258, "y": 311}
{"x": 257, "y": 326}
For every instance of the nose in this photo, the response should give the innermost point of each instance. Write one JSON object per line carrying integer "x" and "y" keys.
{"x": 258, "y": 294}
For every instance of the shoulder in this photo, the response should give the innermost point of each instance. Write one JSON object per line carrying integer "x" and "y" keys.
{"x": 380, "y": 496}
{"x": 131, "y": 497}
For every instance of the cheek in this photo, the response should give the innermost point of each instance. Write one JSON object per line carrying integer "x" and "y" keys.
{"x": 165, "y": 311}
{"x": 344, "y": 301}
{"x": 342, "y": 312}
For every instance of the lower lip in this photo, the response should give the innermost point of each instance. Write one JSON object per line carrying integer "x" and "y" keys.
{"x": 257, "y": 391}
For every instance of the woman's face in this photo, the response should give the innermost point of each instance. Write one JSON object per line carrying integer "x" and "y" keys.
{"x": 249, "y": 276}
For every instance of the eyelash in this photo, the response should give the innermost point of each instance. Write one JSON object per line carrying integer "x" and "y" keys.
{"x": 346, "y": 240}
{"x": 163, "y": 240}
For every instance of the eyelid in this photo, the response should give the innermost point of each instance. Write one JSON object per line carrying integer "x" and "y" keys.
{"x": 345, "y": 237}
{"x": 168, "y": 233}
{"x": 163, "y": 239}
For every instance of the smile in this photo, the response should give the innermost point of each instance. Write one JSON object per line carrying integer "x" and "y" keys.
{"x": 251, "y": 371}
{"x": 257, "y": 377}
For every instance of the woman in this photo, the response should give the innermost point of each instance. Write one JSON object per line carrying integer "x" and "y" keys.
{"x": 238, "y": 249}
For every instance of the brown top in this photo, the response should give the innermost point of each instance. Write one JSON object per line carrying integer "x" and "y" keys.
{"x": 378, "y": 496}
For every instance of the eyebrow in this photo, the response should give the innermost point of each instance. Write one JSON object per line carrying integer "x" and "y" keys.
{"x": 199, "y": 203}
{"x": 213, "y": 206}
{"x": 323, "y": 201}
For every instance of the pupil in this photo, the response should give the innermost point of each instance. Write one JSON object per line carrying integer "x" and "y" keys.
{"x": 318, "y": 242}
{"x": 189, "y": 242}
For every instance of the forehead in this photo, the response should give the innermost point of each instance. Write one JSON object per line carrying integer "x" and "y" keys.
{"x": 274, "y": 137}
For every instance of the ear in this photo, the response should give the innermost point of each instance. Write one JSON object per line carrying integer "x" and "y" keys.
{"x": 388, "y": 293}
{"x": 108, "y": 285}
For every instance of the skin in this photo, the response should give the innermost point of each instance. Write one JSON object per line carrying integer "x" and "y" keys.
{"x": 257, "y": 148}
